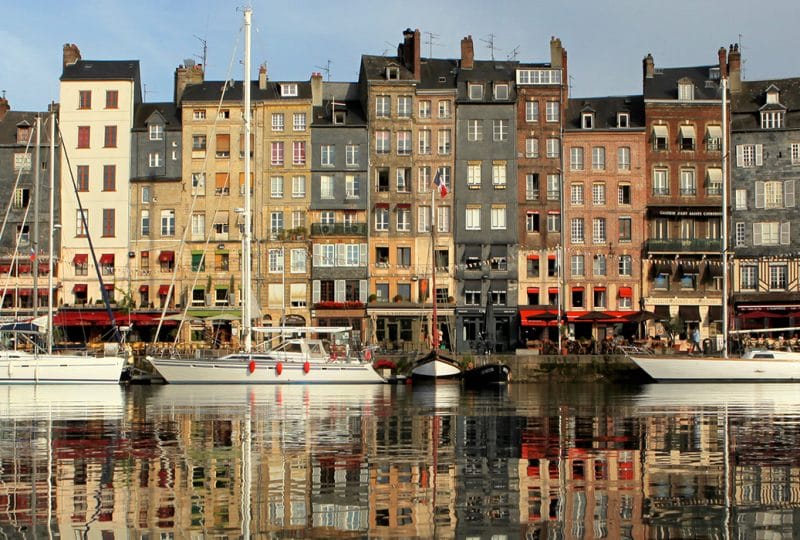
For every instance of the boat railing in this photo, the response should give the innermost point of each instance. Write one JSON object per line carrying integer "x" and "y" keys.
{"x": 634, "y": 350}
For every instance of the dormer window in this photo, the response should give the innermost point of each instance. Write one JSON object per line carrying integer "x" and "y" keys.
{"x": 156, "y": 132}
{"x": 339, "y": 117}
{"x": 289, "y": 90}
{"x": 713, "y": 73}
{"x": 771, "y": 119}
{"x": 392, "y": 73}
{"x": 623, "y": 120}
{"x": 475, "y": 91}
{"x": 773, "y": 96}
{"x": 501, "y": 91}
{"x": 685, "y": 91}
{"x": 23, "y": 133}
{"x": 587, "y": 120}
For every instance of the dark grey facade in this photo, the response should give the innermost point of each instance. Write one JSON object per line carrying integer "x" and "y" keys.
{"x": 485, "y": 233}
{"x": 156, "y": 132}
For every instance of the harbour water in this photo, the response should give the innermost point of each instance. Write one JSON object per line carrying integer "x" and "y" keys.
{"x": 545, "y": 461}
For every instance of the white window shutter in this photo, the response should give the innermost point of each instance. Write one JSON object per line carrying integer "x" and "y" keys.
{"x": 739, "y": 156}
{"x": 362, "y": 255}
{"x": 316, "y": 254}
{"x": 338, "y": 290}
{"x": 341, "y": 255}
{"x": 785, "y": 236}
{"x": 788, "y": 193}
{"x": 759, "y": 155}
{"x": 363, "y": 290}
{"x": 315, "y": 291}
{"x": 759, "y": 194}
{"x": 756, "y": 234}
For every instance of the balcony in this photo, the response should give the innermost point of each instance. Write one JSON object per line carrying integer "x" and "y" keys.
{"x": 678, "y": 245}
{"x": 339, "y": 229}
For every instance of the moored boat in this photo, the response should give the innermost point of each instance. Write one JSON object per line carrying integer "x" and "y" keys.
{"x": 487, "y": 374}
{"x": 435, "y": 365}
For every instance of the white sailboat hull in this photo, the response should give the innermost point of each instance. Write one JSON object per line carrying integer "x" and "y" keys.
{"x": 435, "y": 368}
{"x": 21, "y": 367}
{"x": 751, "y": 367}
{"x": 236, "y": 369}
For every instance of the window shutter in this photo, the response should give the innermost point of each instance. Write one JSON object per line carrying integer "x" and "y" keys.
{"x": 315, "y": 291}
{"x": 362, "y": 254}
{"x": 759, "y": 194}
{"x": 316, "y": 257}
{"x": 759, "y": 155}
{"x": 338, "y": 290}
{"x": 223, "y": 142}
{"x": 788, "y": 193}
{"x": 739, "y": 156}
{"x": 756, "y": 234}
{"x": 785, "y": 237}
{"x": 363, "y": 291}
{"x": 341, "y": 255}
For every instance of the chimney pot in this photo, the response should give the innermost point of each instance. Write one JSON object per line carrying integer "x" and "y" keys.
{"x": 467, "y": 53}
{"x": 4, "y": 107}
{"x": 70, "y": 55}
{"x": 648, "y": 66}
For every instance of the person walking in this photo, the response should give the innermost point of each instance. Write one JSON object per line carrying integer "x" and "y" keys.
{"x": 695, "y": 340}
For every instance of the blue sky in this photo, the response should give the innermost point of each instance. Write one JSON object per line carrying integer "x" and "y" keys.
{"x": 606, "y": 41}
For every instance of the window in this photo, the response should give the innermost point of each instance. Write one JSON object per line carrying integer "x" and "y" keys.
{"x": 443, "y": 219}
{"x": 424, "y": 219}
{"x": 740, "y": 199}
{"x": 112, "y": 99}
{"x": 277, "y": 122}
{"x": 498, "y": 218}
{"x": 298, "y": 186}
{"x": 423, "y": 179}
{"x": 599, "y": 230}
{"x": 577, "y": 265}
{"x": 198, "y": 225}
{"x": 22, "y": 197}
{"x": 381, "y": 219}
{"x": 499, "y": 174}
{"x": 109, "y": 177}
{"x": 85, "y": 99}
{"x": 472, "y": 296}
{"x": 532, "y": 222}
{"x": 474, "y": 174}
{"x": 382, "y": 144}
{"x": 327, "y": 217}
{"x": 154, "y": 159}
{"x": 500, "y": 130}
{"x": 500, "y": 91}
{"x": 221, "y": 185}
{"x": 660, "y": 138}
{"x": 156, "y": 132}
{"x": 713, "y": 181}
{"x": 404, "y": 257}
{"x": 625, "y": 225}
{"x": 625, "y": 265}
{"x": 424, "y": 108}
{"x": 146, "y": 197}
{"x": 553, "y": 148}
{"x": 298, "y": 153}
{"x": 749, "y": 155}
{"x": 624, "y": 158}
{"x": 352, "y": 186}
{"x": 600, "y": 297}
{"x": 774, "y": 194}
{"x": 771, "y": 119}
{"x": 552, "y": 113}
{"x": 275, "y": 261}
{"x": 623, "y": 120}
{"x": 168, "y": 223}
{"x": 289, "y": 89}
{"x": 383, "y": 106}
{"x": 326, "y": 187}
{"x": 624, "y": 194}
{"x": 795, "y": 153}
{"x": 553, "y": 187}
{"x": 276, "y": 153}
{"x": 576, "y": 230}
{"x": 382, "y": 179}
{"x": 199, "y": 114}
{"x": 598, "y": 158}
{"x": 749, "y": 277}
{"x": 351, "y": 152}
{"x": 687, "y": 137}
{"x": 276, "y": 187}
{"x": 688, "y": 182}
{"x": 444, "y": 141}
{"x": 660, "y": 182}
{"x": 223, "y": 145}
{"x": 297, "y": 258}
{"x": 531, "y": 147}
{"x": 473, "y": 218}
{"x": 778, "y": 277}
{"x": 587, "y": 120}
{"x": 576, "y": 193}
{"x": 403, "y": 180}
{"x": 474, "y": 130}
{"x": 299, "y": 121}
{"x": 598, "y": 194}
{"x": 533, "y": 272}
{"x": 554, "y": 222}
{"x": 499, "y": 298}
{"x": 22, "y": 161}
{"x": 444, "y": 109}
{"x": 576, "y": 158}
{"x": 81, "y": 222}
{"x": 599, "y": 265}
{"x": 531, "y": 111}
{"x": 276, "y": 223}
{"x": 404, "y": 143}
{"x": 404, "y": 106}
{"x": 223, "y": 114}
{"x": 531, "y": 186}
{"x": 83, "y": 136}
{"x": 424, "y": 141}
{"x": 198, "y": 143}
{"x": 403, "y": 219}
{"x": 82, "y": 177}
{"x": 475, "y": 91}
{"x": 739, "y": 234}
{"x": 771, "y": 233}
{"x": 327, "y": 155}
{"x": 685, "y": 91}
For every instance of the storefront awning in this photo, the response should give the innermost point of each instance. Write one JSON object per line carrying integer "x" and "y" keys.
{"x": 689, "y": 313}
{"x": 144, "y": 288}
{"x": 625, "y": 292}
{"x": 662, "y": 313}
{"x": 166, "y": 256}
{"x": 163, "y": 290}
{"x": 714, "y": 313}
{"x": 24, "y": 292}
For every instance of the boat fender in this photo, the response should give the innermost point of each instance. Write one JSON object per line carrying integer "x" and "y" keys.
{"x": 368, "y": 355}
{"x": 252, "y": 366}
{"x": 306, "y": 367}
{"x": 278, "y": 368}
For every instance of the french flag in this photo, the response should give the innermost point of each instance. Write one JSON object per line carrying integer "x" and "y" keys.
{"x": 439, "y": 183}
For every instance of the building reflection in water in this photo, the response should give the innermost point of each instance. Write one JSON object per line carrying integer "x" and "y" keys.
{"x": 529, "y": 461}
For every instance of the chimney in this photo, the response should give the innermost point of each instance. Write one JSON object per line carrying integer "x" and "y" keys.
{"x": 4, "y": 106}
{"x": 735, "y": 68}
{"x": 648, "y": 66}
{"x": 417, "y": 55}
{"x": 556, "y": 52}
{"x": 71, "y": 54}
{"x": 467, "y": 53}
{"x": 316, "y": 89}
{"x": 187, "y": 74}
{"x": 262, "y": 76}
{"x": 723, "y": 62}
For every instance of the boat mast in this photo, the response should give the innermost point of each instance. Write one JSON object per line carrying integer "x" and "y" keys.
{"x": 246, "y": 268}
{"x": 35, "y": 243}
{"x": 432, "y": 292}
{"x": 50, "y": 247}
{"x": 724, "y": 86}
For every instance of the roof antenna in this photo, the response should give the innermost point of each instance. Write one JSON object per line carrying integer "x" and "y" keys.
{"x": 205, "y": 52}
{"x": 326, "y": 69}
{"x": 431, "y": 38}
{"x": 513, "y": 54}
{"x": 490, "y": 44}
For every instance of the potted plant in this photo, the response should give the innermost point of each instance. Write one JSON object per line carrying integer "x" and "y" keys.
{"x": 397, "y": 298}
{"x": 372, "y": 298}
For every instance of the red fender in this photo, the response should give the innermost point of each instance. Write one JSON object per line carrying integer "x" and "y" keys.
{"x": 306, "y": 367}
{"x": 252, "y": 366}
{"x": 278, "y": 368}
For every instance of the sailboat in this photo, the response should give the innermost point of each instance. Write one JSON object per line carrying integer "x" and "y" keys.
{"x": 36, "y": 363}
{"x": 303, "y": 359}
{"x": 755, "y": 364}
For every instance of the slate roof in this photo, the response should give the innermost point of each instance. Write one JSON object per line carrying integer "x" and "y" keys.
{"x": 374, "y": 67}
{"x": 605, "y": 111}
{"x": 212, "y": 90}
{"x": 438, "y": 74}
{"x": 171, "y": 114}
{"x": 664, "y": 83}
{"x": 746, "y": 104}
{"x": 345, "y": 93}
{"x": 101, "y": 70}
{"x": 8, "y": 127}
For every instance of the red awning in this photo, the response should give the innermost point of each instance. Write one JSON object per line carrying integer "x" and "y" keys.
{"x": 7, "y": 292}
{"x": 163, "y": 290}
{"x": 43, "y": 268}
{"x": 625, "y": 292}
{"x": 24, "y": 292}
{"x": 79, "y": 288}
{"x": 5, "y": 268}
{"x": 577, "y": 289}
{"x": 538, "y": 317}
{"x": 41, "y": 292}
{"x": 553, "y": 290}
{"x": 144, "y": 288}
{"x": 166, "y": 256}
{"x": 23, "y": 268}
{"x": 107, "y": 258}
{"x": 599, "y": 289}
{"x": 533, "y": 290}
{"x": 108, "y": 286}
{"x": 381, "y": 205}
{"x": 551, "y": 257}
{"x": 403, "y": 205}
{"x": 533, "y": 257}
{"x": 80, "y": 258}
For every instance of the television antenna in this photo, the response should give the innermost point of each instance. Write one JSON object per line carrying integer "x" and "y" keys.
{"x": 490, "y": 45}
{"x": 204, "y": 57}
{"x": 431, "y": 38}
{"x": 513, "y": 54}
{"x": 326, "y": 69}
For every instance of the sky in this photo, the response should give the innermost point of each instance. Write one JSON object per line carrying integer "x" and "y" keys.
{"x": 605, "y": 40}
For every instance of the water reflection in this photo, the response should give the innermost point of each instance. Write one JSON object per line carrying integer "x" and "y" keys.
{"x": 534, "y": 461}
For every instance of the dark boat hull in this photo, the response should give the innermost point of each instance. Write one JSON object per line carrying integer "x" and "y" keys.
{"x": 487, "y": 374}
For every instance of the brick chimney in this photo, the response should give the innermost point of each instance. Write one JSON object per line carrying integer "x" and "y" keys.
{"x": 316, "y": 89}
{"x": 262, "y": 76}
{"x": 556, "y": 52}
{"x": 735, "y": 68}
{"x": 71, "y": 54}
{"x": 648, "y": 66}
{"x": 467, "y": 53}
{"x": 722, "y": 53}
{"x": 4, "y": 107}
{"x": 187, "y": 74}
